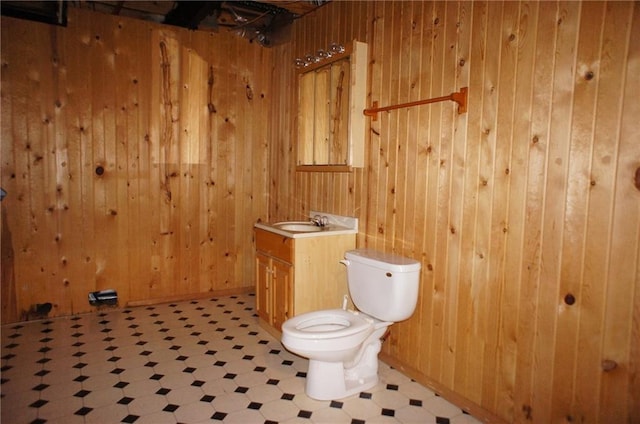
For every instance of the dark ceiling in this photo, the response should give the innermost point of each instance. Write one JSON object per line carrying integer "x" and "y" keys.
{"x": 265, "y": 22}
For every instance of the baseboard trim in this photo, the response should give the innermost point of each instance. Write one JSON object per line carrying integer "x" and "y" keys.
{"x": 192, "y": 296}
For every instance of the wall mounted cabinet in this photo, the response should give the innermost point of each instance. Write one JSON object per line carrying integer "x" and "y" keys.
{"x": 331, "y": 123}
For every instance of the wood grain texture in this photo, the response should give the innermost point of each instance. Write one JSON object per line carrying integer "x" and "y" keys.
{"x": 522, "y": 211}
{"x": 135, "y": 158}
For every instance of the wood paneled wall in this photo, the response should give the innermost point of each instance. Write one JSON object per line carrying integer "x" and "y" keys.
{"x": 523, "y": 211}
{"x": 135, "y": 158}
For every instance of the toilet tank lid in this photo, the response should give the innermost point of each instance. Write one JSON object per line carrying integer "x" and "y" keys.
{"x": 390, "y": 261}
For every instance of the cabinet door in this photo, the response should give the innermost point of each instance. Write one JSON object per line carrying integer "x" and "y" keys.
{"x": 282, "y": 293}
{"x": 263, "y": 280}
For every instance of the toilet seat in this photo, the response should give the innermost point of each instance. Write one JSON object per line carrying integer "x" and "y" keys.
{"x": 327, "y": 324}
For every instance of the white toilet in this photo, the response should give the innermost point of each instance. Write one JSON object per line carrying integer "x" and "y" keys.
{"x": 343, "y": 345}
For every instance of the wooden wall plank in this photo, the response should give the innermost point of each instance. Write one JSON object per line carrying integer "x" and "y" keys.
{"x": 451, "y": 192}
{"x": 499, "y": 182}
{"x": 619, "y": 394}
{"x": 70, "y": 141}
{"x": 509, "y": 351}
{"x": 465, "y": 158}
{"x": 156, "y": 174}
{"x": 138, "y": 160}
{"x": 437, "y": 229}
{"x": 387, "y": 219}
{"x": 427, "y": 164}
{"x": 170, "y": 57}
{"x": 589, "y": 290}
{"x": 404, "y": 182}
{"x": 411, "y": 187}
{"x": 15, "y": 175}
{"x": 538, "y": 141}
{"x": 418, "y": 149}
{"x": 8, "y": 300}
{"x": 559, "y": 216}
{"x": 123, "y": 109}
{"x": 225, "y": 122}
{"x": 44, "y": 190}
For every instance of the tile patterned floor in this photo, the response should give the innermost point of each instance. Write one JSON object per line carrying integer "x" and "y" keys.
{"x": 204, "y": 361}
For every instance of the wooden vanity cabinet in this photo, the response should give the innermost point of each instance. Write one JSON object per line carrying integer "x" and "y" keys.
{"x": 297, "y": 275}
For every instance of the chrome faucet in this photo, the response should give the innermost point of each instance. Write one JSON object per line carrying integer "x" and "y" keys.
{"x": 320, "y": 221}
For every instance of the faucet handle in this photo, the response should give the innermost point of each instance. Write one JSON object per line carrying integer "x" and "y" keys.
{"x": 320, "y": 221}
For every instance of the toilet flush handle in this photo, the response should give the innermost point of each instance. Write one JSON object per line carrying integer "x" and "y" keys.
{"x": 345, "y": 262}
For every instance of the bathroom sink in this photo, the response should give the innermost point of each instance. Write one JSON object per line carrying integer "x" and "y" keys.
{"x": 336, "y": 225}
{"x": 298, "y": 226}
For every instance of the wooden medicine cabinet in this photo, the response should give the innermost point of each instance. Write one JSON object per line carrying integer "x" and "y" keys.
{"x": 331, "y": 122}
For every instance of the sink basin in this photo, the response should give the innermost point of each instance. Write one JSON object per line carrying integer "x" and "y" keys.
{"x": 298, "y": 226}
{"x": 337, "y": 225}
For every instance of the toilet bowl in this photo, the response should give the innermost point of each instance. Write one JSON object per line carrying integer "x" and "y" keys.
{"x": 333, "y": 335}
{"x": 343, "y": 345}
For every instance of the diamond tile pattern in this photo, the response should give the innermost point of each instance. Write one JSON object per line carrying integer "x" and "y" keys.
{"x": 200, "y": 361}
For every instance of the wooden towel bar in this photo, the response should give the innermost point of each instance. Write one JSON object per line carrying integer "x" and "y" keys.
{"x": 459, "y": 97}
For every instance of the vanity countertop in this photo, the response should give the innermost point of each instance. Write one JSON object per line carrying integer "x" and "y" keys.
{"x": 329, "y": 230}
{"x": 335, "y": 225}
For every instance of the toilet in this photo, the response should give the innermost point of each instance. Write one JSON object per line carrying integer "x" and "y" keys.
{"x": 343, "y": 345}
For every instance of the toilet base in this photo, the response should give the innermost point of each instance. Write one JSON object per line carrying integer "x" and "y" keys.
{"x": 331, "y": 381}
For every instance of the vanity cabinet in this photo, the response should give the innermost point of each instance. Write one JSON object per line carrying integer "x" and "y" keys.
{"x": 298, "y": 275}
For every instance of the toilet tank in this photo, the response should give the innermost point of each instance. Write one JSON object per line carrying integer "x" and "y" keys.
{"x": 382, "y": 285}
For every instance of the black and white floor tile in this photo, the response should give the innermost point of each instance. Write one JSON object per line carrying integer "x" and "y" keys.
{"x": 204, "y": 361}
